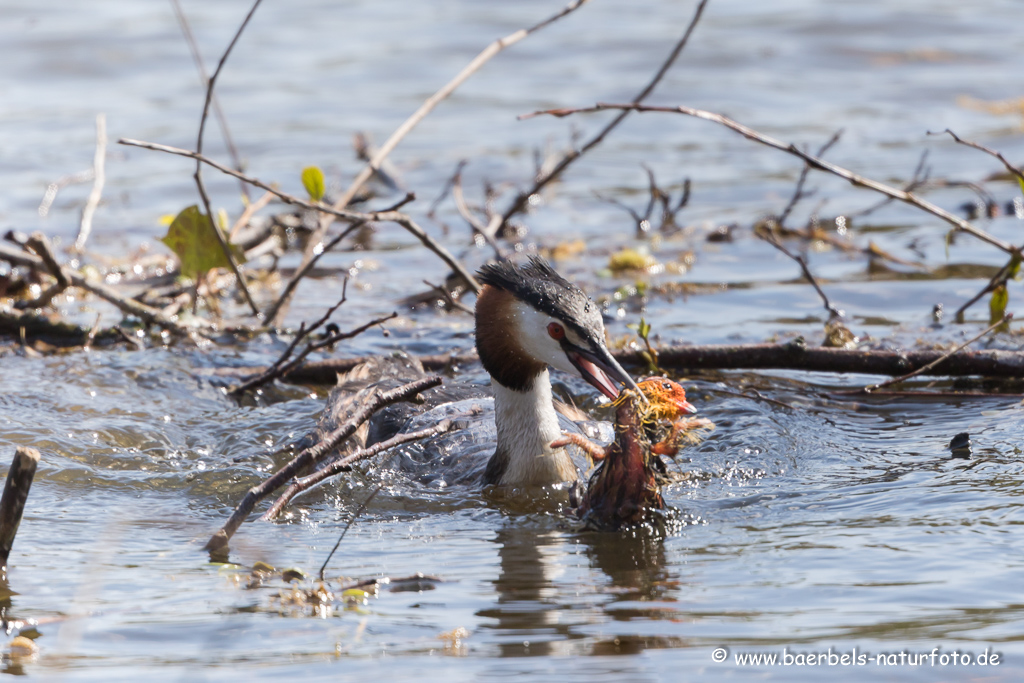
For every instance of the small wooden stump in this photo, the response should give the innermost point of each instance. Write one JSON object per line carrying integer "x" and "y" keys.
{"x": 12, "y": 504}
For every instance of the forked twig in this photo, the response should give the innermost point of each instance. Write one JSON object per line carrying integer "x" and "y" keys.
{"x": 522, "y": 199}
{"x": 337, "y": 466}
{"x": 816, "y": 163}
{"x": 310, "y": 456}
{"x": 424, "y": 109}
{"x": 283, "y": 365}
{"x": 1014, "y": 170}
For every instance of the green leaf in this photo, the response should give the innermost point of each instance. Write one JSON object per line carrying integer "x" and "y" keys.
{"x": 997, "y": 304}
{"x": 644, "y": 329}
{"x": 313, "y": 181}
{"x": 191, "y": 236}
{"x": 1021, "y": 181}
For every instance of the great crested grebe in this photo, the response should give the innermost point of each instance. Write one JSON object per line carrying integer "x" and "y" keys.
{"x": 528, "y": 317}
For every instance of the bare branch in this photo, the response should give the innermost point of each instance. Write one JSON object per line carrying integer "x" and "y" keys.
{"x": 1014, "y": 170}
{"x": 199, "y": 166}
{"x": 450, "y": 87}
{"x": 798, "y": 193}
{"x": 522, "y": 199}
{"x": 337, "y": 466}
{"x": 474, "y": 223}
{"x": 197, "y": 57}
{"x": 392, "y": 216}
{"x": 816, "y": 163}
{"x": 772, "y": 240}
{"x": 218, "y": 542}
{"x": 424, "y": 109}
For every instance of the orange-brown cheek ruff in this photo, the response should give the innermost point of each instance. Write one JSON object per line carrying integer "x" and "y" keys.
{"x": 500, "y": 353}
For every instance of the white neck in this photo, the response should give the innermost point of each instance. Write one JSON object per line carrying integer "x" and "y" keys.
{"x": 527, "y": 423}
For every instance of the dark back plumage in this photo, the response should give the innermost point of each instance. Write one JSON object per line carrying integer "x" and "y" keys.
{"x": 539, "y": 285}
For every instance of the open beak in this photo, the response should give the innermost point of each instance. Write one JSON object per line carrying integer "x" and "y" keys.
{"x": 599, "y": 368}
{"x": 684, "y": 406}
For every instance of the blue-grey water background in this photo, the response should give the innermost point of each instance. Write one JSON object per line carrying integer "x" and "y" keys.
{"x": 837, "y": 524}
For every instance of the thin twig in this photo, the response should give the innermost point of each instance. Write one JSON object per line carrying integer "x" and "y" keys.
{"x": 424, "y": 109}
{"x": 1001, "y": 276}
{"x": 92, "y": 333}
{"x": 384, "y": 216}
{"x": 798, "y": 193}
{"x": 895, "y": 380}
{"x": 474, "y": 223}
{"x": 432, "y": 209}
{"x": 1014, "y": 170}
{"x": 38, "y": 243}
{"x": 772, "y": 240}
{"x": 351, "y": 521}
{"x": 99, "y": 177}
{"x": 449, "y": 297}
{"x": 198, "y": 175}
{"x": 309, "y": 456}
{"x": 305, "y": 270}
{"x": 522, "y": 199}
{"x": 919, "y": 178}
{"x": 250, "y": 210}
{"x": 816, "y": 163}
{"x": 197, "y": 57}
{"x": 282, "y": 368}
{"x": 337, "y": 466}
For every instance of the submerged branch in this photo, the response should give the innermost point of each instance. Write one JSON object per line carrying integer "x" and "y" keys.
{"x": 310, "y": 456}
{"x": 337, "y": 466}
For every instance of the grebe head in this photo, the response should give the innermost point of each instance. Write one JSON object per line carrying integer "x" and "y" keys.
{"x": 529, "y": 317}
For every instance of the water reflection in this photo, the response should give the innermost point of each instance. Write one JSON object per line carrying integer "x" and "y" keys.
{"x": 530, "y": 616}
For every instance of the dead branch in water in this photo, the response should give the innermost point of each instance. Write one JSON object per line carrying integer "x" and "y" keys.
{"x": 310, "y": 456}
{"x": 336, "y": 466}
{"x": 793, "y": 355}
{"x": 284, "y": 365}
{"x": 12, "y": 504}
{"x": 147, "y": 314}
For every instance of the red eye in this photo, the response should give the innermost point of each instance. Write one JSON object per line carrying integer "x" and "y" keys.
{"x": 556, "y": 331}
